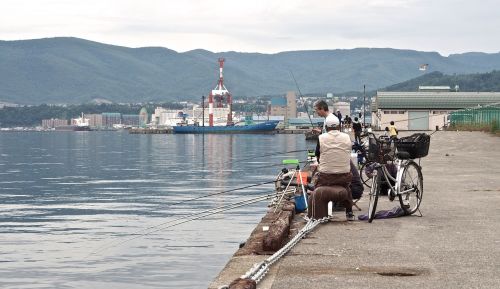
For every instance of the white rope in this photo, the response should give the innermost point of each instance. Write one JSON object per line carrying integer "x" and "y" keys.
{"x": 259, "y": 270}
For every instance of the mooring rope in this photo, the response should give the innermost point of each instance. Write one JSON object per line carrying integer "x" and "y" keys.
{"x": 259, "y": 270}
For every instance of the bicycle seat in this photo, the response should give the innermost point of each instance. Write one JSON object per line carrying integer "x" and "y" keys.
{"x": 403, "y": 155}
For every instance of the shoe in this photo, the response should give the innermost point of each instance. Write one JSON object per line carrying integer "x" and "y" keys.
{"x": 350, "y": 216}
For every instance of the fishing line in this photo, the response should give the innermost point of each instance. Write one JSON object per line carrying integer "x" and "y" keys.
{"x": 184, "y": 219}
{"x": 265, "y": 155}
{"x": 222, "y": 192}
{"x": 186, "y": 215}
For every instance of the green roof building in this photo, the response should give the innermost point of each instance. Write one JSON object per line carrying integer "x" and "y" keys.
{"x": 424, "y": 110}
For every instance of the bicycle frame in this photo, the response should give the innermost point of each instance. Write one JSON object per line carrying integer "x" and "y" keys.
{"x": 407, "y": 184}
{"x": 388, "y": 177}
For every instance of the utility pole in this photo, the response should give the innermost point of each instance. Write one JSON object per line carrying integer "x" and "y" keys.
{"x": 203, "y": 111}
{"x": 364, "y": 105}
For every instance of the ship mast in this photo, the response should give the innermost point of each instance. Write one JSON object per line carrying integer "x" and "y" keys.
{"x": 220, "y": 94}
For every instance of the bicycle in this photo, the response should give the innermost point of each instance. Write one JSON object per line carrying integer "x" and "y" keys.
{"x": 367, "y": 168}
{"x": 408, "y": 182}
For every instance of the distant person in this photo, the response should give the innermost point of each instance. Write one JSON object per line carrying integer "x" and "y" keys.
{"x": 356, "y": 126}
{"x": 339, "y": 115}
{"x": 347, "y": 121}
{"x": 386, "y": 131}
{"x": 393, "y": 132}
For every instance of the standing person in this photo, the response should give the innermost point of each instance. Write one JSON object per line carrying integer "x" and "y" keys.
{"x": 347, "y": 121}
{"x": 356, "y": 126}
{"x": 321, "y": 108}
{"x": 339, "y": 115}
{"x": 335, "y": 161}
{"x": 393, "y": 132}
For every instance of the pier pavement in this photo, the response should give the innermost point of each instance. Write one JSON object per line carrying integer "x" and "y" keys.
{"x": 455, "y": 244}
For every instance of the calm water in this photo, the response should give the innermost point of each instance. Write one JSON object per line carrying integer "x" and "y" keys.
{"x": 64, "y": 195}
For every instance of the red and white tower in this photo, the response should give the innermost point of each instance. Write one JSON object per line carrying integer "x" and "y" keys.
{"x": 220, "y": 94}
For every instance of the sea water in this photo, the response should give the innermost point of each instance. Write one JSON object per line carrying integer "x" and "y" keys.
{"x": 89, "y": 209}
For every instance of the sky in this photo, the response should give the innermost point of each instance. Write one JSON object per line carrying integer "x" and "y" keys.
{"x": 265, "y": 26}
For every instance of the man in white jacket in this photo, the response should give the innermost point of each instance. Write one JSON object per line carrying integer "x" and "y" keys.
{"x": 334, "y": 160}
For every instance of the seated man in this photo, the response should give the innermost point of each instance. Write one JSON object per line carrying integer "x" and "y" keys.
{"x": 334, "y": 167}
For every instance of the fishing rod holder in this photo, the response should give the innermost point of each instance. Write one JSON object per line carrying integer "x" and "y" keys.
{"x": 291, "y": 182}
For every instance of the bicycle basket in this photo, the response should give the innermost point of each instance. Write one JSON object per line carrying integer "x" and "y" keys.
{"x": 378, "y": 150}
{"x": 417, "y": 145}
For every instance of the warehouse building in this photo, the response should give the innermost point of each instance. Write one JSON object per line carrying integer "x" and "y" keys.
{"x": 424, "y": 110}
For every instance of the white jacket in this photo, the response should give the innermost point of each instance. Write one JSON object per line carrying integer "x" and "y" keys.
{"x": 335, "y": 152}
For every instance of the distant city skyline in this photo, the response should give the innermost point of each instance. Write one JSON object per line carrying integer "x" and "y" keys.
{"x": 444, "y": 26}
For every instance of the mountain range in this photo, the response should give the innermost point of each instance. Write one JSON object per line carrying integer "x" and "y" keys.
{"x": 72, "y": 70}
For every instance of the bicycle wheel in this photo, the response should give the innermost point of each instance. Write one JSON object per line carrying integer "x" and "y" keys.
{"x": 411, "y": 188}
{"x": 366, "y": 178}
{"x": 372, "y": 205}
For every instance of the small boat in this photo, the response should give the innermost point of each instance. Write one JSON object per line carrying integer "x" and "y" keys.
{"x": 267, "y": 127}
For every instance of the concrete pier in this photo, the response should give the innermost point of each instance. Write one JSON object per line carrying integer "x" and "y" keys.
{"x": 456, "y": 244}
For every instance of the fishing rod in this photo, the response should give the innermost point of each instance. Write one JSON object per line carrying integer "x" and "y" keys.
{"x": 302, "y": 97}
{"x": 276, "y": 165}
{"x": 185, "y": 219}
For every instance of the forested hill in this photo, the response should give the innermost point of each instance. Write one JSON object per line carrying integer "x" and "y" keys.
{"x": 466, "y": 82}
{"x": 73, "y": 70}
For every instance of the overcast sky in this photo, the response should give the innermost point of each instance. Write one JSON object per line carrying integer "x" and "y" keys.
{"x": 266, "y": 26}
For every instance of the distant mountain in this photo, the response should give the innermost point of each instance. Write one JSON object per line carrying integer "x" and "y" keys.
{"x": 484, "y": 82}
{"x": 72, "y": 70}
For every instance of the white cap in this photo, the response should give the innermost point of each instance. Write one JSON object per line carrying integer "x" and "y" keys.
{"x": 331, "y": 121}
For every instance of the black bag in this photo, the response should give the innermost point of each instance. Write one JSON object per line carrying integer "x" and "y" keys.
{"x": 417, "y": 145}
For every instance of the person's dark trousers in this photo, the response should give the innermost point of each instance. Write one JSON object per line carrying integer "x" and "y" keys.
{"x": 344, "y": 180}
{"x": 357, "y": 136}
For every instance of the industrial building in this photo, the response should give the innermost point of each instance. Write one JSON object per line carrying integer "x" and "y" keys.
{"x": 109, "y": 119}
{"x": 343, "y": 107}
{"x": 95, "y": 120}
{"x": 130, "y": 120}
{"x": 284, "y": 106}
{"x": 424, "y": 110}
{"x": 53, "y": 122}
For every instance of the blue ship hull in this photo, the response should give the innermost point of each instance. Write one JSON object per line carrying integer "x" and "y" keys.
{"x": 265, "y": 127}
